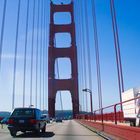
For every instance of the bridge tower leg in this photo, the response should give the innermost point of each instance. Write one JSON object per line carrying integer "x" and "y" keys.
{"x": 71, "y": 84}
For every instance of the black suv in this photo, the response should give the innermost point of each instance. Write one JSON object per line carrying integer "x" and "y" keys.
{"x": 26, "y": 119}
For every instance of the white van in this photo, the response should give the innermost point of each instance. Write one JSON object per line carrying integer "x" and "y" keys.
{"x": 131, "y": 109}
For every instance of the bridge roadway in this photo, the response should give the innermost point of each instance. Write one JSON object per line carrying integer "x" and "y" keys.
{"x": 68, "y": 130}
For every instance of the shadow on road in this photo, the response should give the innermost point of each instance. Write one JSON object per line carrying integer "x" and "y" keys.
{"x": 33, "y": 135}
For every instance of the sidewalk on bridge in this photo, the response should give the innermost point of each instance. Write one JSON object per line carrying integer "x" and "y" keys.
{"x": 120, "y": 132}
{"x": 111, "y": 122}
{"x": 101, "y": 133}
{"x": 3, "y": 128}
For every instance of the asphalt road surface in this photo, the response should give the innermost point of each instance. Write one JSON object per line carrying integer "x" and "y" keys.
{"x": 68, "y": 130}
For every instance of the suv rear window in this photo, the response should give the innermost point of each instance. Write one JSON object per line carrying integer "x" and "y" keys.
{"x": 23, "y": 113}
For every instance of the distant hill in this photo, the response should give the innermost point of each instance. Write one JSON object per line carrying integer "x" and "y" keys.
{"x": 67, "y": 114}
{"x": 59, "y": 113}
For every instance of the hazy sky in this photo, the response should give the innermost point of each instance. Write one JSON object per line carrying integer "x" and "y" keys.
{"x": 128, "y": 20}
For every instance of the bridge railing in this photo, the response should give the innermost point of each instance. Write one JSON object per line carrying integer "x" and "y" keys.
{"x": 113, "y": 113}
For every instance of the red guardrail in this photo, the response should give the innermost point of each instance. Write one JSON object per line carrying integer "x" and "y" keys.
{"x": 114, "y": 116}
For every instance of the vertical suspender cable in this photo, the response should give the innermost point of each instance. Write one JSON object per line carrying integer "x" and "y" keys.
{"x": 80, "y": 47}
{"x": 115, "y": 43}
{"x": 32, "y": 50}
{"x": 119, "y": 53}
{"x": 41, "y": 54}
{"x": 84, "y": 49}
{"x": 2, "y": 29}
{"x": 37, "y": 46}
{"x": 42, "y": 49}
{"x": 44, "y": 54}
{"x": 47, "y": 33}
{"x": 79, "y": 54}
{"x": 79, "y": 44}
{"x": 97, "y": 54}
{"x": 82, "y": 54}
{"x": 88, "y": 46}
{"x": 117, "y": 49}
{"x": 15, "y": 56}
{"x": 25, "y": 53}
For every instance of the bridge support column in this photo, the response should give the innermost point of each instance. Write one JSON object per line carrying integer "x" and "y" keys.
{"x": 71, "y": 84}
{"x": 51, "y": 107}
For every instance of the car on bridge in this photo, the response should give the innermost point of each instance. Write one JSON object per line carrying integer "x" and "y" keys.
{"x": 46, "y": 118}
{"x": 26, "y": 119}
{"x": 4, "y": 120}
{"x": 58, "y": 119}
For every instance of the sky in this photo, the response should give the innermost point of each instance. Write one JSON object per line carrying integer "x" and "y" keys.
{"x": 128, "y": 20}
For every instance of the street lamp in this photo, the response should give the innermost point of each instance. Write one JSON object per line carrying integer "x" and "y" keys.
{"x": 88, "y": 90}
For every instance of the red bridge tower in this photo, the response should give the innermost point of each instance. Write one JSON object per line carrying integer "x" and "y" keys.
{"x": 71, "y": 84}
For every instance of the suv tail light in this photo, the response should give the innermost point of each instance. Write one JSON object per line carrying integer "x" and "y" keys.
{"x": 32, "y": 121}
{"x": 11, "y": 121}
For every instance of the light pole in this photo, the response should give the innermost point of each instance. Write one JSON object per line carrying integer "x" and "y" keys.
{"x": 88, "y": 90}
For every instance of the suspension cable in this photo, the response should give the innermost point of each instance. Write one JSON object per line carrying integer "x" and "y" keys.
{"x": 84, "y": 49}
{"x": 80, "y": 54}
{"x": 25, "y": 52}
{"x": 97, "y": 54}
{"x": 15, "y": 55}
{"x": 2, "y": 29}
{"x": 47, "y": 33}
{"x": 37, "y": 48}
{"x": 44, "y": 55}
{"x": 79, "y": 60}
{"x": 117, "y": 49}
{"x": 119, "y": 53}
{"x": 83, "y": 53}
{"x": 88, "y": 47}
{"x": 41, "y": 54}
{"x": 45, "y": 44}
{"x": 32, "y": 50}
{"x": 81, "y": 45}
{"x": 115, "y": 44}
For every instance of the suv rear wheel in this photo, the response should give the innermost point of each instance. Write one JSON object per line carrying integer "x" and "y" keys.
{"x": 44, "y": 129}
{"x": 13, "y": 133}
